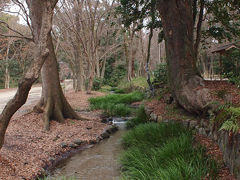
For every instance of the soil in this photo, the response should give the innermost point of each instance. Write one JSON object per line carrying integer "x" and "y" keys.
{"x": 27, "y": 148}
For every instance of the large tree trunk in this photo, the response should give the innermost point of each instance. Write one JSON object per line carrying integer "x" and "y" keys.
{"x": 186, "y": 85}
{"x": 53, "y": 101}
{"x": 41, "y": 13}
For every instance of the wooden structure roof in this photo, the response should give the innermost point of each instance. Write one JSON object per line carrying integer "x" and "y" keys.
{"x": 227, "y": 47}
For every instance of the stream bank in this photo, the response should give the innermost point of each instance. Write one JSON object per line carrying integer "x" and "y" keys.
{"x": 98, "y": 162}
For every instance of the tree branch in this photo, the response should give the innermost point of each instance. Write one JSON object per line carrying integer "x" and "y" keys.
{"x": 20, "y": 34}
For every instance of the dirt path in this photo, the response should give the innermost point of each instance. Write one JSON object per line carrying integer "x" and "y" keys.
{"x": 33, "y": 97}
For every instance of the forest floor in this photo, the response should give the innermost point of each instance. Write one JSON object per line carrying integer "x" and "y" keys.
{"x": 27, "y": 148}
{"x": 218, "y": 91}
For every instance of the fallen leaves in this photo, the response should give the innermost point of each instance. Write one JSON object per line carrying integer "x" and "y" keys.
{"x": 28, "y": 148}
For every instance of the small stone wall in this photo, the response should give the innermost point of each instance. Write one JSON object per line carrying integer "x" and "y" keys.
{"x": 229, "y": 144}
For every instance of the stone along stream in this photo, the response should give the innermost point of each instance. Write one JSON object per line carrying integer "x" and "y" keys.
{"x": 97, "y": 163}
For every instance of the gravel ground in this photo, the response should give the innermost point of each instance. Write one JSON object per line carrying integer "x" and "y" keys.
{"x": 28, "y": 148}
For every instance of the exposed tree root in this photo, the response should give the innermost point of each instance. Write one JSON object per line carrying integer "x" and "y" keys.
{"x": 55, "y": 109}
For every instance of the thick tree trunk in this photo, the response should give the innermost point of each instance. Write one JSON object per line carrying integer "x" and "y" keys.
{"x": 186, "y": 85}
{"x": 41, "y": 13}
{"x": 53, "y": 101}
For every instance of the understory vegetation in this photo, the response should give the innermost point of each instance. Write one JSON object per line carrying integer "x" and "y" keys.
{"x": 164, "y": 152}
{"x": 141, "y": 118}
{"x": 228, "y": 118}
{"x": 116, "y": 104}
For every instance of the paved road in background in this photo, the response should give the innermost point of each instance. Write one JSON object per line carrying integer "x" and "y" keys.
{"x": 33, "y": 97}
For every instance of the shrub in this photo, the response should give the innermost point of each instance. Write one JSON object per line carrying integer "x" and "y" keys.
{"x": 164, "y": 152}
{"x": 97, "y": 83}
{"x": 160, "y": 76}
{"x": 114, "y": 75}
{"x": 230, "y": 67}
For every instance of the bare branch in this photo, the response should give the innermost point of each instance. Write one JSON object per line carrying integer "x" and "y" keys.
{"x": 20, "y": 35}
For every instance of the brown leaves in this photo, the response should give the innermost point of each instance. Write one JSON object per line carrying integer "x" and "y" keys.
{"x": 28, "y": 148}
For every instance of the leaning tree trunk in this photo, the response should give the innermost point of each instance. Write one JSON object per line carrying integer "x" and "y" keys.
{"x": 53, "y": 101}
{"x": 41, "y": 13}
{"x": 186, "y": 85}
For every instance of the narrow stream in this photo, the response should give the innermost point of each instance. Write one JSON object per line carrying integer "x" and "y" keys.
{"x": 97, "y": 163}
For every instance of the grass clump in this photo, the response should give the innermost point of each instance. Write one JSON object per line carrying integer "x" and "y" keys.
{"x": 141, "y": 118}
{"x": 164, "y": 152}
{"x": 116, "y": 104}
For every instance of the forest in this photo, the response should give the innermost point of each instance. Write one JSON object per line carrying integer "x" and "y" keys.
{"x": 164, "y": 74}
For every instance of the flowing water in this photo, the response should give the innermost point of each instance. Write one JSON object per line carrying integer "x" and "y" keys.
{"x": 97, "y": 163}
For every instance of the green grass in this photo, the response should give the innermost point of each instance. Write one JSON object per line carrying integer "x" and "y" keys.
{"x": 105, "y": 89}
{"x": 116, "y": 104}
{"x": 141, "y": 118}
{"x": 164, "y": 152}
{"x": 140, "y": 82}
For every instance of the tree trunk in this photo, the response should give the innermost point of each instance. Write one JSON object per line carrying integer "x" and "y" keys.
{"x": 98, "y": 69}
{"x": 7, "y": 74}
{"x": 187, "y": 87}
{"x": 79, "y": 70}
{"x": 91, "y": 76}
{"x": 7, "y": 77}
{"x": 103, "y": 68}
{"x": 77, "y": 52}
{"x": 199, "y": 26}
{"x": 40, "y": 13}
{"x": 149, "y": 48}
{"x": 53, "y": 101}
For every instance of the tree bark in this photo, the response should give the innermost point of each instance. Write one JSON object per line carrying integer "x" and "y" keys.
{"x": 79, "y": 70}
{"x": 103, "y": 68}
{"x": 7, "y": 74}
{"x": 41, "y": 13}
{"x": 53, "y": 101}
{"x": 199, "y": 26}
{"x": 91, "y": 70}
{"x": 78, "y": 57}
{"x": 187, "y": 87}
